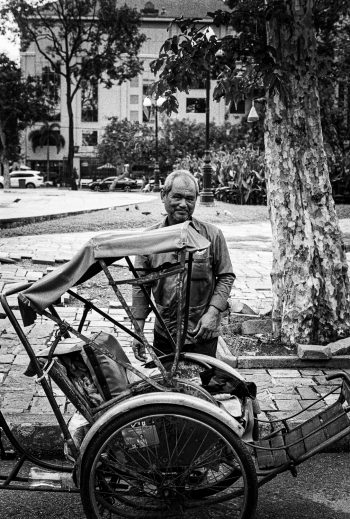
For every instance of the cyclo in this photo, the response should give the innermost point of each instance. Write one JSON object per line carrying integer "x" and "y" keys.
{"x": 171, "y": 438}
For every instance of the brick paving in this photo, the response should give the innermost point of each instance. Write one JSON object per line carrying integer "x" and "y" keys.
{"x": 281, "y": 391}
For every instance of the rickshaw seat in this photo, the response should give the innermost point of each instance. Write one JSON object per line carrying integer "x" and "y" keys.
{"x": 82, "y": 369}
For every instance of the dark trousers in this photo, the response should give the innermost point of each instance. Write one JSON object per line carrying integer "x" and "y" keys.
{"x": 162, "y": 346}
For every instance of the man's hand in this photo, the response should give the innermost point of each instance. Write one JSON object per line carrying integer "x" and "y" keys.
{"x": 208, "y": 325}
{"x": 137, "y": 347}
{"x": 139, "y": 350}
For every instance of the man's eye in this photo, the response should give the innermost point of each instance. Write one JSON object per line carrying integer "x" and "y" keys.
{"x": 177, "y": 198}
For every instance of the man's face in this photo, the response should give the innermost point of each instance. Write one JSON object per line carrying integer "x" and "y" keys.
{"x": 180, "y": 202}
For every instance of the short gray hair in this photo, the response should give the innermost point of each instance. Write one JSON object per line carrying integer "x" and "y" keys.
{"x": 179, "y": 173}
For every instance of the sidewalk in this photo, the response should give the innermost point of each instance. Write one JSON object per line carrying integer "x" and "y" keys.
{"x": 285, "y": 385}
{"x": 23, "y": 205}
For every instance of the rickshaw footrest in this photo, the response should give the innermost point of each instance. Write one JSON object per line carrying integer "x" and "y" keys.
{"x": 295, "y": 443}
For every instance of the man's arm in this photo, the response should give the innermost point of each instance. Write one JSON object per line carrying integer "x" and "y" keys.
{"x": 223, "y": 271}
{"x": 208, "y": 326}
{"x": 140, "y": 306}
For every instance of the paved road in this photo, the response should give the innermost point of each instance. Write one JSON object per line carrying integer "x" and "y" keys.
{"x": 321, "y": 491}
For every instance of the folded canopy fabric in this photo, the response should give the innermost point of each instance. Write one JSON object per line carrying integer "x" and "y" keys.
{"x": 111, "y": 247}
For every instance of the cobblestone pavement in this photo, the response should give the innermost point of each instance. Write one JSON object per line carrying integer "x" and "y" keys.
{"x": 281, "y": 391}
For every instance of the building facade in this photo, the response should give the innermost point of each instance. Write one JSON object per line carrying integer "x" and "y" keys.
{"x": 93, "y": 107}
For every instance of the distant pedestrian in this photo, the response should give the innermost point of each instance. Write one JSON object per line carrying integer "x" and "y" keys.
{"x": 74, "y": 179}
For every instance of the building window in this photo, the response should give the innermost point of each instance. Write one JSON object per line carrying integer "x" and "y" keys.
{"x": 89, "y": 102}
{"x": 134, "y": 115}
{"x": 134, "y": 100}
{"x": 195, "y": 105}
{"x": 147, "y": 112}
{"x": 238, "y": 108}
{"x": 89, "y": 138}
{"x": 51, "y": 79}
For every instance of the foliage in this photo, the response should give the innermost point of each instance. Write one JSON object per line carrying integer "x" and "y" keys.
{"x": 334, "y": 76}
{"x": 242, "y": 169}
{"x": 22, "y": 102}
{"x": 47, "y": 135}
{"x": 126, "y": 141}
{"x": 243, "y": 62}
{"x": 131, "y": 142}
{"x": 89, "y": 42}
{"x": 245, "y": 65}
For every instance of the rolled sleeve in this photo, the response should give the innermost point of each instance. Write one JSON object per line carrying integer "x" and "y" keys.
{"x": 223, "y": 273}
{"x": 140, "y": 305}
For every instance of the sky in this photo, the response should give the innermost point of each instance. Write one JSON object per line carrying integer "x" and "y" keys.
{"x": 9, "y": 48}
{"x": 6, "y": 46}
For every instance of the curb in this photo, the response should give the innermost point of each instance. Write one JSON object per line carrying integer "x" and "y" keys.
{"x": 38, "y": 435}
{"x": 279, "y": 361}
{"x": 288, "y": 362}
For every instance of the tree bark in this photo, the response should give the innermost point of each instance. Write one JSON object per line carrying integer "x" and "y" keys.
{"x": 4, "y": 159}
{"x": 69, "y": 100}
{"x": 310, "y": 273}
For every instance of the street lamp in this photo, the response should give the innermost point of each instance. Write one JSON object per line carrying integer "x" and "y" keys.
{"x": 155, "y": 104}
{"x": 206, "y": 196}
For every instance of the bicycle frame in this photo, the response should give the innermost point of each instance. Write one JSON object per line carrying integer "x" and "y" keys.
{"x": 64, "y": 330}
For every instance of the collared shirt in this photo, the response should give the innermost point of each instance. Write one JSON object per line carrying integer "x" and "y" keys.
{"x": 211, "y": 281}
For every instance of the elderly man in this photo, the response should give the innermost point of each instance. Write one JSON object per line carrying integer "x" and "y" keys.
{"x": 211, "y": 280}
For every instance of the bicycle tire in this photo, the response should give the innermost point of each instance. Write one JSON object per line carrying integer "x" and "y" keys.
{"x": 162, "y": 474}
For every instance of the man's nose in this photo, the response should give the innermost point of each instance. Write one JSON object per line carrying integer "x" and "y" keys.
{"x": 182, "y": 202}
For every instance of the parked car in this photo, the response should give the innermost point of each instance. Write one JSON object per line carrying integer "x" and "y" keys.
{"x": 112, "y": 183}
{"x": 124, "y": 183}
{"x": 28, "y": 178}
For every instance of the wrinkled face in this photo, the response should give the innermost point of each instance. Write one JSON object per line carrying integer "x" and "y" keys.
{"x": 180, "y": 202}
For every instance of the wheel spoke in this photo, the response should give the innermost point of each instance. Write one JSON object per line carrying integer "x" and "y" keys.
{"x": 169, "y": 465}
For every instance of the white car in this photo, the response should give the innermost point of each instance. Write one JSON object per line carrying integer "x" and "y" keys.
{"x": 29, "y": 178}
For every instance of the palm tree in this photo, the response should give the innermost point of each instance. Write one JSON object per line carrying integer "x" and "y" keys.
{"x": 48, "y": 135}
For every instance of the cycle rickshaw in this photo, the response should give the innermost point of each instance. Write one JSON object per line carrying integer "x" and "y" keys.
{"x": 175, "y": 438}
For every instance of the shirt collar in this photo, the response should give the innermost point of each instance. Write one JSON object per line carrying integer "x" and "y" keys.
{"x": 192, "y": 220}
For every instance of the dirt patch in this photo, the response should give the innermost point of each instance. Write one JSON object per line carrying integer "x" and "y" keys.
{"x": 263, "y": 344}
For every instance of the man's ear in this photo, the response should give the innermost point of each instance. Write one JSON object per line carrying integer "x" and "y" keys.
{"x": 162, "y": 194}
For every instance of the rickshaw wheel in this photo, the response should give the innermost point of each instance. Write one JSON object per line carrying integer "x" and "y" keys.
{"x": 167, "y": 461}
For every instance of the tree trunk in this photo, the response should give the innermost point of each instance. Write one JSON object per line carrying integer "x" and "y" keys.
{"x": 48, "y": 157}
{"x": 309, "y": 275}
{"x": 3, "y": 158}
{"x": 70, "y": 158}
